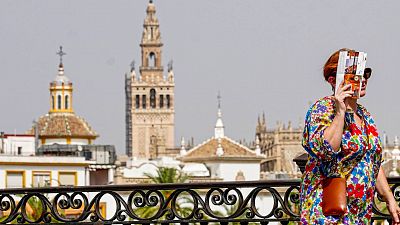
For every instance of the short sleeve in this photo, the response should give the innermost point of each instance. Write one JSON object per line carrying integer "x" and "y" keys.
{"x": 318, "y": 118}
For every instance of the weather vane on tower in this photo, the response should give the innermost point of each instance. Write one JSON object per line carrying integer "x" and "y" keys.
{"x": 61, "y": 54}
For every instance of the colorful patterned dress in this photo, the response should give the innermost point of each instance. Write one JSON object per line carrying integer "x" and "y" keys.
{"x": 359, "y": 160}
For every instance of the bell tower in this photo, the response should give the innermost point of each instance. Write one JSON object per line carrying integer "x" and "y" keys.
{"x": 61, "y": 90}
{"x": 150, "y": 119}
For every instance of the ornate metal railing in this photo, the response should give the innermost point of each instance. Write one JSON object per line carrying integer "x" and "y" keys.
{"x": 263, "y": 202}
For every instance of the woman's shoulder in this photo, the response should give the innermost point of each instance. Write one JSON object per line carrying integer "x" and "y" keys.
{"x": 326, "y": 103}
{"x": 323, "y": 107}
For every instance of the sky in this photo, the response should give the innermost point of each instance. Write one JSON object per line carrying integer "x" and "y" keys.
{"x": 262, "y": 56}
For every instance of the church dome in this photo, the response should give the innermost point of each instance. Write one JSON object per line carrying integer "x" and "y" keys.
{"x": 64, "y": 125}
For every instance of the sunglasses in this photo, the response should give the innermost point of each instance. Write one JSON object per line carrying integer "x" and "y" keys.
{"x": 367, "y": 73}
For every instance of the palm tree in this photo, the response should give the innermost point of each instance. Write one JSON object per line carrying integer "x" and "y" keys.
{"x": 168, "y": 175}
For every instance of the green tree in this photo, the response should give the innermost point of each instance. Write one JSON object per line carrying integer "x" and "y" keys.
{"x": 167, "y": 175}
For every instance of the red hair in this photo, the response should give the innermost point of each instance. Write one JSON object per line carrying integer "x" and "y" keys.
{"x": 331, "y": 64}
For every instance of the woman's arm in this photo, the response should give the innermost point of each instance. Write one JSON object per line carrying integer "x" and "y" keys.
{"x": 333, "y": 134}
{"x": 383, "y": 189}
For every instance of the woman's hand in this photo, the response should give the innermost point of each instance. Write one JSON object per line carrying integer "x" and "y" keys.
{"x": 394, "y": 211}
{"x": 342, "y": 93}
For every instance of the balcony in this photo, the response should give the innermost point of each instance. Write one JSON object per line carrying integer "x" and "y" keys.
{"x": 263, "y": 202}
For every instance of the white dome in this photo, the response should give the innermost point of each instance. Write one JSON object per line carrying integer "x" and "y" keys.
{"x": 61, "y": 78}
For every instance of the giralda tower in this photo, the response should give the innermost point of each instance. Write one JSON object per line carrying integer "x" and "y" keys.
{"x": 150, "y": 123}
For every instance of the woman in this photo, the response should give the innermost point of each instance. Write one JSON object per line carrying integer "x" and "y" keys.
{"x": 341, "y": 139}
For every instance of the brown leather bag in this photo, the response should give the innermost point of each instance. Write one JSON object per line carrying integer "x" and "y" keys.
{"x": 334, "y": 196}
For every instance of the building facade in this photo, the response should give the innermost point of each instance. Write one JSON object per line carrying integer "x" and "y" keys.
{"x": 280, "y": 146}
{"x": 225, "y": 158}
{"x": 150, "y": 123}
{"x": 41, "y": 171}
{"x": 17, "y": 144}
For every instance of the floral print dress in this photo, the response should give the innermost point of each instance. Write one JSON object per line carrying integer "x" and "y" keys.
{"x": 358, "y": 159}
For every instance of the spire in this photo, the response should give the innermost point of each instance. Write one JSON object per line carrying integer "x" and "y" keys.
{"x": 170, "y": 65}
{"x": 219, "y": 125}
{"x": 151, "y": 32}
{"x": 183, "y": 148}
{"x": 61, "y": 89}
{"x": 264, "y": 123}
{"x": 263, "y": 118}
{"x": 151, "y": 69}
{"x": 170, "y": 77}
{"x": 132, "y": 65}
{"x": 132, "y": 75}
{"x": 258, "y": 149}
{"x": 258, "y": 130}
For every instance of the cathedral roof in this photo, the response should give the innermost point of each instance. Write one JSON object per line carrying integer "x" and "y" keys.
{"x": 232, "y": 150}
{"x": 64, "y": 125}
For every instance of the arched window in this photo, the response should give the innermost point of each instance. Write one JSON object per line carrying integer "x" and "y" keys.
{"x": 168, "y": 101}
{"x": 52, "y": 102}
{"x": 152, "y": 59}
{"x": 137, "y": 101}
{"x": 161, "y": 101}
{"x": 143, "y": 101}
{"x": 59, "y": 102}
{"x": 66, "y": 101}
{"x": 152, "y": 98}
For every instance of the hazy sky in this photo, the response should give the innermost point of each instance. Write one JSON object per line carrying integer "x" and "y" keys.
{"x": 263, "y": 56}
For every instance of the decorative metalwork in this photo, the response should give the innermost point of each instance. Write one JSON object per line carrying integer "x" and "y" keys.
{"x": 223, "y": 202}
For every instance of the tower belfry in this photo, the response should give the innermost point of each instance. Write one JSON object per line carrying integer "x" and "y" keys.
{"x": 151, "y": 68}
{"x": 150, "y": 98}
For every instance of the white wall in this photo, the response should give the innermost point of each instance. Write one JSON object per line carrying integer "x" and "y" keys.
{"x": 63, "y": 141}
{"x": 11, "y": 144}
{"x": 228, "y": 170}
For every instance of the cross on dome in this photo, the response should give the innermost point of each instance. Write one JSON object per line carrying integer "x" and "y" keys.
{"x": 61, "y": 53}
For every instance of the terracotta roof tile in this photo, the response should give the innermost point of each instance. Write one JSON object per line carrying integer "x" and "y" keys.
{"x": 63, "y": 125}
{"x": 231, "y": 148}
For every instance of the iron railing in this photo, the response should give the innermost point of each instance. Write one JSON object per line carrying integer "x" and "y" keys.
{"x": 264, "y": 202}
